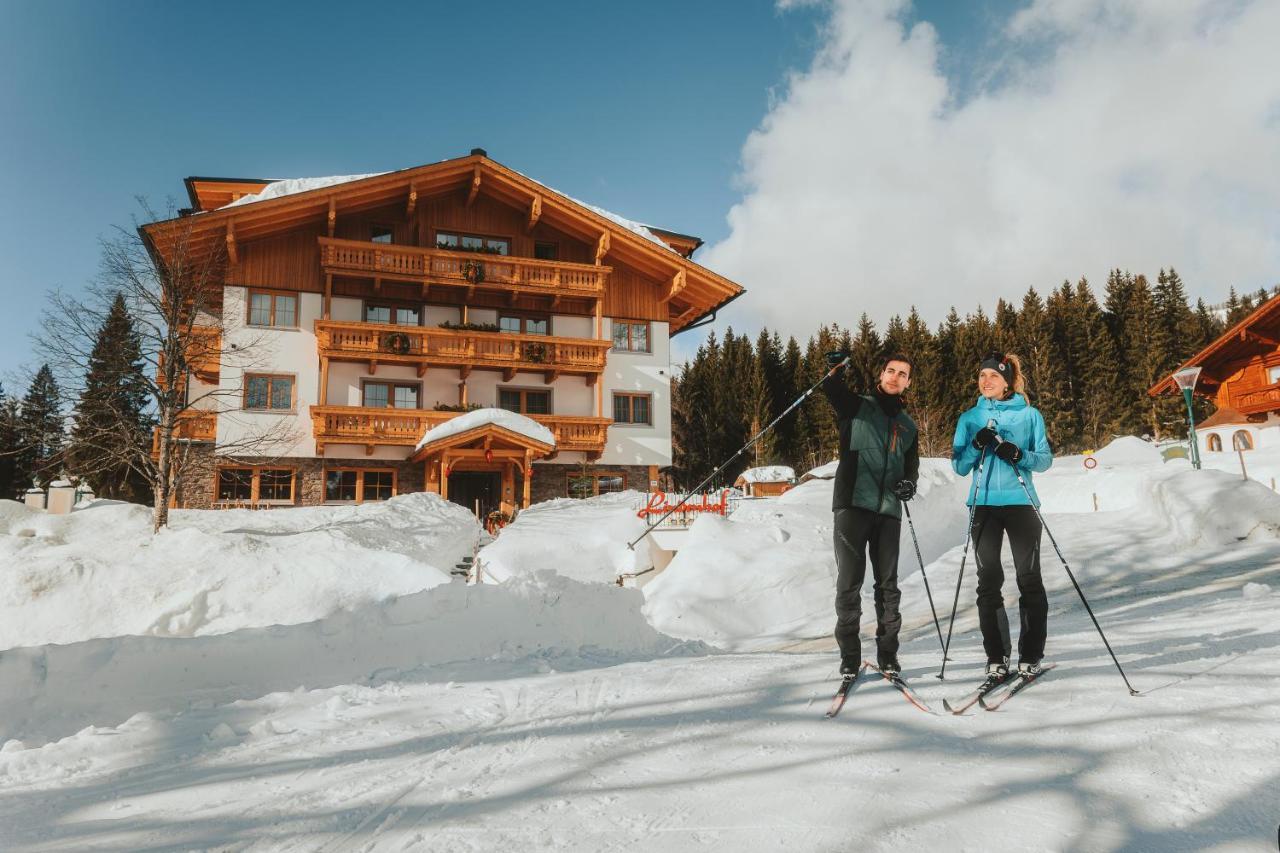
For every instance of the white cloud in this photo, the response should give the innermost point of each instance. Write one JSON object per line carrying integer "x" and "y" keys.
{"x": 1119, "y": 133}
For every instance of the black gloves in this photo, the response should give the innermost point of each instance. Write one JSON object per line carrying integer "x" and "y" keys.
{"x": 834, "y": 358}
{"x": 985, "y": 437}
{"x": 905, "y": 490}
{"x": 1009, "y": 452}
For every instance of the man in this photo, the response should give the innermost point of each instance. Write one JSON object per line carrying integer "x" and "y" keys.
{"x": 879, "y": 467}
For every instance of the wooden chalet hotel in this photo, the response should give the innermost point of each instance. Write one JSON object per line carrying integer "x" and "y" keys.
{"x": 380, "y": 307}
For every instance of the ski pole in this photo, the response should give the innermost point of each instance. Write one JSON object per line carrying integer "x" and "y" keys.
{"x": 946, "y": 647}
{"x": 1017, "y": 473}
{"x": 927, "y": 591}
{"x": 632, "y": 544}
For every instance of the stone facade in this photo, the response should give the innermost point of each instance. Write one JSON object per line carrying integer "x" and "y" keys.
{"x": 552, "y": 481}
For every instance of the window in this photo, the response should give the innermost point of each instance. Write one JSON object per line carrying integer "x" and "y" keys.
{"x": 382, "y": 234}
{"x": 1241, "y": 440}
{"x": 546, "y": 251}
{"x": 526, "y": 402}
{"x": 345, "y": 485}
{"x": 1273, "y": 375}
{"x": 255, "y": 485}
{"x": 265, "y": 393}
{"x": 273, "y": 309}
{"x": 235, "y": 484}
{"x": 632, "y": 409}
{"x": 594, "y": 483}
{"x": 630, "y": 337}
{"x": 1214, "y": 442}
{"x": 400, "y": 315}
{"x": 381, "y": 395}
{"x": 524, "y": 325}
{"x": 473, "y": 243}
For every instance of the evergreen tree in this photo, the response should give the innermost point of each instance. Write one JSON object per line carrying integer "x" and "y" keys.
{"x": 1058, "y": 401}
{"x": 40, "y": 430}
{"x": 925, "y": 396}
{"x": 1006, "y": 326}
{"x": 8, "y": 446}
{"x": 1236, "y": 310}
{"x": 792, "y": 374}
{"x": 1095, "y": 367}
{"x": 864, "y": 365}
{"x": 1035, "y": 347}
{"x": 111, "y": 425}
{"x": 1209, "y": 326}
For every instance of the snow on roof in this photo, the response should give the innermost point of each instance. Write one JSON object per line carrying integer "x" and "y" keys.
{"x": 768, "y": 474}
{"x": 478, "y": 418}
{"x": 823, "y": 472}
{"x": 290, "y": 186}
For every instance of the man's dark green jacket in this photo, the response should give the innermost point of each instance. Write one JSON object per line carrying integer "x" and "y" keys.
{"x": 878, "y": 447}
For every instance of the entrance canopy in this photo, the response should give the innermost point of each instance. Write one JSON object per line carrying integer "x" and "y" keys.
{"x": 484, "y": 440}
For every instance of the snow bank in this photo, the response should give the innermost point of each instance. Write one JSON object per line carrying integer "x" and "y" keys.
{"x": 766, "y": 575}
{"x": 1128, "y": 450}
{"x": 54, "y": 690}
{"x": 513, "y": 421}
{"x": 100, "y": 572}
{"x": 768, "y": 474}
{"x": 582, "y": 539}
{"x": 1209, "y": 508}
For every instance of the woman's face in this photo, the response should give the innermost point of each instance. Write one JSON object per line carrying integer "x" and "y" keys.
{"x": 991, "y": 384}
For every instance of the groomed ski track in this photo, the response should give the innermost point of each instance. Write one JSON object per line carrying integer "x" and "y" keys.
{"x": 730, "y": 751}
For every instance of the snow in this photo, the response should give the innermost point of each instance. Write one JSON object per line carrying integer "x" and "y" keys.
{"x": 513, "y": 421}
{"x": 768, "y": 474}
{"x": 545, "y": 713}
{"x": 99, "y": 572}
{"x": 291, "y": 186}
{"x": 824, "y": 472}
{"x": 599, "y": 529}
{"x": 1128, "y": 450}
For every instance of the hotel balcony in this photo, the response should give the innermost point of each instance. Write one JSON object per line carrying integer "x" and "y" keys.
{"x": 192, "y": 426}
{"x": 426, "y": 347}
{"x": 466, "y": 269}
{"x": 1258, "y": 401}
{"x": 404, "y": 427}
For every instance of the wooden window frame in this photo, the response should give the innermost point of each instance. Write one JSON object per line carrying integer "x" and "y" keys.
{"x": 524, "y": 317}
{"x": 524, "y": 390}
{"x": 555, "y": 250}
{"x": 392, "y": 305}
{"x": 274, "y": 294}
{"x": 392, "y": 384}
{"x": 595, "y": 476}
{"x": 359, "y": 472}
{"x": 614, "y": 321}
{"x": 1212, "y": 439}
{"x": 631, "y": 395}
{"x": 390, "y": 229}
{"x": 293, "y": 393}
{"x": 435, "y": 241}
{"x": 255, "y": 483}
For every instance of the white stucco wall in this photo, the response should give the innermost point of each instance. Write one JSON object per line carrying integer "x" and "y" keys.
{"x": 648, "y": 373}
{"x": 1266, "y": 434}
{"x": 251, "y": 349}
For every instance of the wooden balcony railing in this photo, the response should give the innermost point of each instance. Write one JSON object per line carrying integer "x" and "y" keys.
{"x": 473, "y": 269}
{"x": 192, "y": 426}
{"x": 425, "y": 346}
{"x": 1260, "y": 400}
{"x": 404, "y": 427}
{"x": 204, "y": 349}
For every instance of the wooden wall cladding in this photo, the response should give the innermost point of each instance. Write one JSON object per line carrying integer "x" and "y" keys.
{"x": 288, "y": 262}
{"x": 633, "y": 296}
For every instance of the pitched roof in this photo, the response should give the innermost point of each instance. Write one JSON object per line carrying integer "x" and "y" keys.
{"x": 1257, "y": 333}
{"x": 695, "y": 291}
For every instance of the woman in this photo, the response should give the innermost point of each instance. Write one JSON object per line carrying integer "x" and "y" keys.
{"x": 997, "y": 439}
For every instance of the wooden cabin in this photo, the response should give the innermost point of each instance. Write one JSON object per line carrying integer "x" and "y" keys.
{"x": 767, "y": 481}
{"x": 359, "y": 312}
{"x": 1240, "y": 372}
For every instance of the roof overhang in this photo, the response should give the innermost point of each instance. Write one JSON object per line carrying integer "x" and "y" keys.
{"x": 487, "y": 436}
{"x": 692, "y": 291}
{"x": 1254, "y": 335}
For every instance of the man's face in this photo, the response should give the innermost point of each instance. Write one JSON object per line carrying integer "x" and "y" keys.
{"x": 895, "y": 378}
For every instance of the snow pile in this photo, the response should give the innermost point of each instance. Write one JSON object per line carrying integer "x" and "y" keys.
{"x": 291, "y": 186}
{"x": 57, "y": 689}
{"x": 1128, "y": 450}
{"x": 824, "y": 472}
{"x": 1209, "y": 508}
{"x": 581, "y": 539}
{"x": 768, "y": 474}
{"x": 767, "y": 574}
{"x": 100, "y": 572}
{"x": 513, "y": 421}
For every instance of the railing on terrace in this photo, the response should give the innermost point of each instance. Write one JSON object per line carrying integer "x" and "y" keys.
{"x": 1262, "y": 400}
{"x": 426, "y": 345}
{"x": 466, "y": 268}
{"x": 404, "y": 427}
{"x": 192, "y": 425}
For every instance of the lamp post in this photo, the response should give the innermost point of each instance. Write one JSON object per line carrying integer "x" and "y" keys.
{"x": 1186, "y": 379}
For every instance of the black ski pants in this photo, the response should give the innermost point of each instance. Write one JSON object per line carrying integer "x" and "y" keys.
{"x": 990, "y": 526}
{"x": 856, "y": 532}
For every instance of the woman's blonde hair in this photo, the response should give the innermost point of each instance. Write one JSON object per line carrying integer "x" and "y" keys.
{"x": 1019, "y": 380}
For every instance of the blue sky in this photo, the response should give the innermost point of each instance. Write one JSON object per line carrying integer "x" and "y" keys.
{"x": 1004, "y": 136}
{"x": 639, "y": 107}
